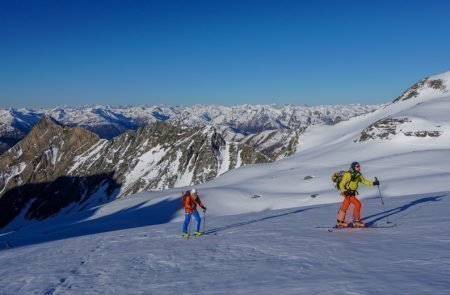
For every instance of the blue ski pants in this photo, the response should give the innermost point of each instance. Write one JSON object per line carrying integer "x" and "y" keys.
{"x": 187, "y": 220}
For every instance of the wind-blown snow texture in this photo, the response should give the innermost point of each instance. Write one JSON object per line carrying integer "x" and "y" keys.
{"x": 262, "y": 223}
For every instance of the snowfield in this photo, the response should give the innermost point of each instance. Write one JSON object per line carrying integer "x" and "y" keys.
{"x": 276, "y": 251}
{"x": 267, "y": 224}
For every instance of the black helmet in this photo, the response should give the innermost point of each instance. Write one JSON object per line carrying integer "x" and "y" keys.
{"x": 354, "y": 164}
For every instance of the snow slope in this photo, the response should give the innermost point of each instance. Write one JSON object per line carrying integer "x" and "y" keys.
{"x": 262, "y": 222}
{"x": 277, "y": 251}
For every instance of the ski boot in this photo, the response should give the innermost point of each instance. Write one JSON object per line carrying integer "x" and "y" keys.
{"x": 197, "y": 233}
{"x": 185, "y": 235}
{"x": 341, "y": 223}
{"x": 358, "y": 223}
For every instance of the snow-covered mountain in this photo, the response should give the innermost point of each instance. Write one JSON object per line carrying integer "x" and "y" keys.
{"x": 161, "y": 157}
{"x": 59, "y": 167}
{"x": 234, "y": 121}
{"x": 261, "y": 222}
{"x": 14, "y": 126}
{"x": 276, "y": 144}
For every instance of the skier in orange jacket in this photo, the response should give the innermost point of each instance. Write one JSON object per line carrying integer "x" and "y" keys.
{"x": 190, "y": 201}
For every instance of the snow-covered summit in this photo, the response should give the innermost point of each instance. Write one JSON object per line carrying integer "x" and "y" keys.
{"x": 427, "y": 88}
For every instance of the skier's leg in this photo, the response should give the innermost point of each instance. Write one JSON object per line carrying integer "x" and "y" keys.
{"x": 343, "y": 210}
{"x": 357, "y": 208}
{"x": 197, "y": 219}
{"x": 187, "y": 219}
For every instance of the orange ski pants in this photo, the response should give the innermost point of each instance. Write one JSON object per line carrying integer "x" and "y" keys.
{"x": 356, "y": 204}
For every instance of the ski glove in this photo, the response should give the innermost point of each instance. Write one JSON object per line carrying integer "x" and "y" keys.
{"x": 376, "y": 182}
{"x": 204, "y": 209}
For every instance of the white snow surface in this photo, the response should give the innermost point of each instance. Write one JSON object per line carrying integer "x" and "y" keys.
{"x": 271, "y": 252}
{"x": 225, "y": 160}
{"x": 267, "y": 244}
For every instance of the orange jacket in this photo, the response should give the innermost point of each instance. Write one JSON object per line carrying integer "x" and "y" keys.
{"x": 190, "y": 203}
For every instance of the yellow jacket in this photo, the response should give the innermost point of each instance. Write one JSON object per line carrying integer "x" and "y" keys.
{"x": 350, "y": 181}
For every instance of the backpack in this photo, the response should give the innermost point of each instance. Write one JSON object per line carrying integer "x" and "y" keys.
{"x": 183, "y": 198}
{"x": 337, "y": 178}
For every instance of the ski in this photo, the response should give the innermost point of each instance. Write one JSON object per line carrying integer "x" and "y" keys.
{"x": 334, "y": 228}
{"x": 209, "y": 234}
{"x": 195, "y": 236}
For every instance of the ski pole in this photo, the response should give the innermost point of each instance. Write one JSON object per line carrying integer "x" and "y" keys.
{"x": 189, "y": 227}
{"x": 204, "y": 221}
{"x": 382, "y": 202}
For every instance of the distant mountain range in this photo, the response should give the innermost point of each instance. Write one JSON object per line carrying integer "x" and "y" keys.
{"x": 234, "y": 122}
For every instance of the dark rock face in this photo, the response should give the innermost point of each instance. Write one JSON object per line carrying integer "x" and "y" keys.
{"x": 275, "y": 144}
{"x": 42, "y": 157}
{"x": 423, "y": 133}
{"x": 388, "y": 127}
{"x": 161, "y": 156}
{"x": 382, "y": 129}
{"x": 42, "y": 200}
{"x": 9, "y": 136}
{"x": 46, "y": 152}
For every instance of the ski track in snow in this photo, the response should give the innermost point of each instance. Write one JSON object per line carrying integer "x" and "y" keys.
{"x": 70, "y": 280}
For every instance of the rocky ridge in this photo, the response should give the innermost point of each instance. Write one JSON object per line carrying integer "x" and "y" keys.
{"x": 57, "y": 168}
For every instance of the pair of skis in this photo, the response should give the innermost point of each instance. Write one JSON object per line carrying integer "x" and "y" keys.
{"x": 335, "y": 228}
{"x": 203, "y": 235}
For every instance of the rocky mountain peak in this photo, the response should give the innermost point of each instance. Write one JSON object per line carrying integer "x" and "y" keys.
{"x": 34, "y": 172}
{"x": 44, "y": 153}
{"x": 48, "y": 134}
{"x": 429, "y": 87}
{"x": 56, "y": 167}
{"x": 47, "y": 121}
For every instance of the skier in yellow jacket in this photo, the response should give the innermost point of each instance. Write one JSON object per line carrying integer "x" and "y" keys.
{"x": 349, "y": 189}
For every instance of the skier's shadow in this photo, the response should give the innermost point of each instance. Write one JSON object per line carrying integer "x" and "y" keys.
{"x": 394, "y": 211}
{"x": 239, "y": 224}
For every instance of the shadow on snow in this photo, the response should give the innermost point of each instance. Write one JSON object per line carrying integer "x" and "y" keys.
{"x": 42, "y": 201}
{"x": 379, "y": 216}
{"x": 239, "y": 224}
{"x": 141, "y": 214}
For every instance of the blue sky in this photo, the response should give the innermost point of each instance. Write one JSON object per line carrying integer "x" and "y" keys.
{"x": 218, "y": 52}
